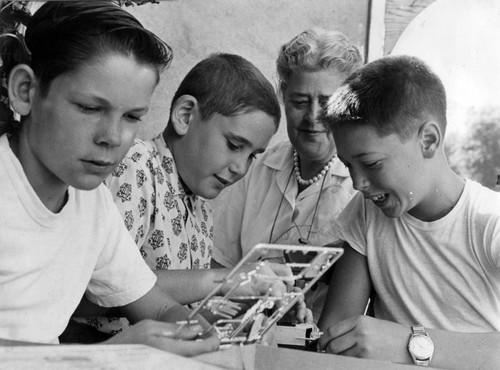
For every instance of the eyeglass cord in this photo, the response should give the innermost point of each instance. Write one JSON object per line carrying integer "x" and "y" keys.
{"x": 301, "y": 240}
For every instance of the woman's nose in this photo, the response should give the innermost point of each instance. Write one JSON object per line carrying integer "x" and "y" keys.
{"x": 312, "y": 112}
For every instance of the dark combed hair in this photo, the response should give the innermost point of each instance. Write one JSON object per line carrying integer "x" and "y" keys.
{"x": 229, "y": 84}
{"x": 62, "y": 35}
{"x": 394, "y": 94}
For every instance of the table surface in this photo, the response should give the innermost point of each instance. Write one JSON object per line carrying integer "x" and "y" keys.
{"x": 127, "y": 356}
{"x": 258, "y": 357}
{"x": 134, "y": 356}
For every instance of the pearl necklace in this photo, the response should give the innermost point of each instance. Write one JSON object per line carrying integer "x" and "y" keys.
{"x": 314, "y": 179}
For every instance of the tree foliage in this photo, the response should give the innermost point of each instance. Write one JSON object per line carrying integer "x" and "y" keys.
{"x": 476, "y": 154}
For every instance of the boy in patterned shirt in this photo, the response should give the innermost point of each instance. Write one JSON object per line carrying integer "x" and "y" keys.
{"x": 223, "y": 114}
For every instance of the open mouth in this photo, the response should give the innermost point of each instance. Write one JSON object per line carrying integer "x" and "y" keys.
{"x": 379, "y": 199}
{"x": 223, "y": 181}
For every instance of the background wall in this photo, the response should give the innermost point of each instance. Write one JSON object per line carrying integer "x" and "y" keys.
{"x": 458, "y": 35}
{"x": 398, "y": 13}
{"x": 254, "y": 29}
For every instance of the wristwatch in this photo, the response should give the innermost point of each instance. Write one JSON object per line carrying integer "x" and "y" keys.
{"x": 420, "y": 346}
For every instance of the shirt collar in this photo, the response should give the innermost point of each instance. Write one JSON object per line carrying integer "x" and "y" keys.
{"x": 170, "y": 168}
{"x": 282, "y": 161}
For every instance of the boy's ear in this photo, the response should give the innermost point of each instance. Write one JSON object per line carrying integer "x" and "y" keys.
{"x": 430, "y": 136}
{"x": 183, "y": 111}
{"x": 21, "y": 88}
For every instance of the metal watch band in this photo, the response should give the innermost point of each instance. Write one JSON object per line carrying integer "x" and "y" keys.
{"x": 418, "y": 329}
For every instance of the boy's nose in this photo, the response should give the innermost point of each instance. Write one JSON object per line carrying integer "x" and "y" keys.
{"x": 359, "y": 180}
{"x": 109, "y": 133}
{"x": 240, "y": 166}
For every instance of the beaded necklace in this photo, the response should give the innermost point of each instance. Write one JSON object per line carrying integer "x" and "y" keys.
{"x": 315, "y": 178}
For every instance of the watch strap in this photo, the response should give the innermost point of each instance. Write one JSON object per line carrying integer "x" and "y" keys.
{"x": 418, "y": 329}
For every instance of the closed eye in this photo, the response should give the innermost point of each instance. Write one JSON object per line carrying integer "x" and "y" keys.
{"x": 133, "y": 118}
{"x": 373, "y": 165}
{"x": 232, "y": 146}
{"x": 88, "y": 108}
{"x": 300, "y": 103}
{"x": 346, "y": 164}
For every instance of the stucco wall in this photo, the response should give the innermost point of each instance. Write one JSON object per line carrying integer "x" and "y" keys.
{"x": 252, "y": 28}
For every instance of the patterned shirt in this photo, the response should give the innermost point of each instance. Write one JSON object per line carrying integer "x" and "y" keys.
{"x": 172, "y": 228}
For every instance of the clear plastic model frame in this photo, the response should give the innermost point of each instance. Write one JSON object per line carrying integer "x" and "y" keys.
{"x": 244, "y": 319}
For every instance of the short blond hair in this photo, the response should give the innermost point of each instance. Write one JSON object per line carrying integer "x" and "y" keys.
{"x": 314, "y": 50}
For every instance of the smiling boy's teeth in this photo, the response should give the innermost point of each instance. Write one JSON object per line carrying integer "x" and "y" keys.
{"x": 378, "y": 197}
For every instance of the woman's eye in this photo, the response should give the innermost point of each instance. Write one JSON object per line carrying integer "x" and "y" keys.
{"x": 323, "y": 103}
{"x": 300, "y": 103}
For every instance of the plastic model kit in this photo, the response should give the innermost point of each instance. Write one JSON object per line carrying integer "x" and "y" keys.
{"x": 244, "y": 319}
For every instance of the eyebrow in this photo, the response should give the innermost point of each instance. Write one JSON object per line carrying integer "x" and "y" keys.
{"x": 360, "y": 155}
{"x": 99, "y": 100}
{"x": 306, "y": 95}
{"x": 365, "y": 154}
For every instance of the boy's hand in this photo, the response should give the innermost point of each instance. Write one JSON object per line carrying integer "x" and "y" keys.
{"x": 367, "y": 337}
{"x": 299, "y": 313}
{"x": 176, "y": 338}
{"x": 263, "y": 277}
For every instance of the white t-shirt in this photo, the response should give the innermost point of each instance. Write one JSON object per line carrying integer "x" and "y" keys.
{"x": 47, "y": 259}
{"x": 443, "y": 274}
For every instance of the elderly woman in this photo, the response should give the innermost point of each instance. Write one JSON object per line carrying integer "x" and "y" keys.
{"x": 295, "y": 189}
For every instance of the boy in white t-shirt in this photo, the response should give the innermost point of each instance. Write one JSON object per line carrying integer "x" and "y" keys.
{"x": 422, "y": 239}
{"x": 81, "y": 80}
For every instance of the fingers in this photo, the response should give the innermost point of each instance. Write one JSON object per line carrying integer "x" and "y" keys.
{"x": 184, "y": 331}
{"x": 334, "y": 332}
{"x": 342, "y": 345}
{"x": 300, "y": 307}
{"x": 280, "y": 269}
{"x": 188, "y": 331}
{"x": 269, "y": 278}
{"x": 284, "y": 272}
{"x": 278, "y": 289}
{"x": 169, "y": 337}
{"x": 300, "y": 314}
{"x": 263, "y": 285}
{"x": 309, "y": 316}
{"x": 186, "y": 348}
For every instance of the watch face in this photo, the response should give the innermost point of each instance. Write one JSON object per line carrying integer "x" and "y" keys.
{"x": 421, "y": 346}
